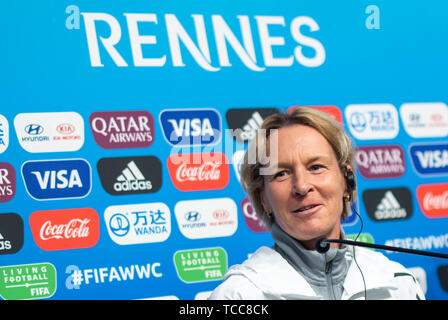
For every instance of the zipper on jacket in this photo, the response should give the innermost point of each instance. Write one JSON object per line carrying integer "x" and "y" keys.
{"x": 328, "y": 268}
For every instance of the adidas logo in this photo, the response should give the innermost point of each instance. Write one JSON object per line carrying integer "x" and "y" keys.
{"x": 131, "y": 178}
{"x": 4, "y": 245}
{"x": 251, "y": 127}
{"x": 389, "y": 208}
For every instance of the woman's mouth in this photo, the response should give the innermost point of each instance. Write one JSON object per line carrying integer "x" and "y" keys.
{"x": 307, "y": 209}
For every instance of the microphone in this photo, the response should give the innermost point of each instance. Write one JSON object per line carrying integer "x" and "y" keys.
{"x": 323, "y": 245}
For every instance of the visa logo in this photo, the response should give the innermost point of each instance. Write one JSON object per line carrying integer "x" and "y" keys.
{"x": 430, "y": 159}
{"x": 191, "y": 126}
{"x": 57, "y": 179}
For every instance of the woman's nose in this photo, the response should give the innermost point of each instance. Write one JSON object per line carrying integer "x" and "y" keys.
{"x": 301, "y": 185}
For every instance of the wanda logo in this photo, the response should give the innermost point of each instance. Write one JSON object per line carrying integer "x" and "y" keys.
{"x": 65, "y": 229}
{"x": 433, "y": 200}
{"x": 199, "y": 171}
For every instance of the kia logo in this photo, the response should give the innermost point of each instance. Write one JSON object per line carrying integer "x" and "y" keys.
{"x": 34, "y": 129}
{"x": 220, "y": 214}
{"x": 65, "y": 128}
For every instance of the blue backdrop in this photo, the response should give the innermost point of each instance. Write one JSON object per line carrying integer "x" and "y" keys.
{"x": 153, "y": 231}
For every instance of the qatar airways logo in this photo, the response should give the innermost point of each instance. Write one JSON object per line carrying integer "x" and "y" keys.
{"x": 204, "y": 33}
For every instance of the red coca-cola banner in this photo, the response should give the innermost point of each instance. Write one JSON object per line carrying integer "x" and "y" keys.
{"x": 199, "y": 171}
{"x": 433, "y": 200}
{"x": 65, "y": 228}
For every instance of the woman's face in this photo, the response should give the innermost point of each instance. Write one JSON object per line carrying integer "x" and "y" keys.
{"x": 305, "y": 193}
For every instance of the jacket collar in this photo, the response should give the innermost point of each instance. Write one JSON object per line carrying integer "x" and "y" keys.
{"x": 273, "y": 275}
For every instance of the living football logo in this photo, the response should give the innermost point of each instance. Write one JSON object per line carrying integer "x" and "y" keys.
{"x": 57, "y": 179}
{"x": 130, "y": 175}
{"x": 388, "y": 204}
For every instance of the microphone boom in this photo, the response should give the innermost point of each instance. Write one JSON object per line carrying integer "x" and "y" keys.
{"x": 323, "y": 245}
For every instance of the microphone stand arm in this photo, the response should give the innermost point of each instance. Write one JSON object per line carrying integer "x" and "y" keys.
{"x": 383, "y": 247}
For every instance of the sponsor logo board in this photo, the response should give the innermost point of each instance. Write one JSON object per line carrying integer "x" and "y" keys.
{"x": 130, "y": 175}
{"x": 4, "y": 134}
{"x": 251, "y": 219}
{"x": 245, "y": 122}
{"x": 7, "y": 182}
{"x": 430, "y": 159}
{"x": 28, "y": 281}
{"x": 388, "y": 204}
{"x": 138, "y": 223}
{"x": 64, "y": 229}
{"x": 50, "y": 131}
{"x": 377, "y": 162}
{"x": 57, "y": 179}
{"x": 122, "y": 129}
{"x": 199, "y": 265}
{"x": 425, "y": 120}
{"x": 11, "y": 233}
{"x": 200, "y": 171}
{"x": 372, "y": 121}
{"x": 207, "y": 218}
{"x": 190, "y": 127}
{"x": 433, "y": 200}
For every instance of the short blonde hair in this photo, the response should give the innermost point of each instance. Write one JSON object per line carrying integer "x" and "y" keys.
{"x": 251, "y": 179}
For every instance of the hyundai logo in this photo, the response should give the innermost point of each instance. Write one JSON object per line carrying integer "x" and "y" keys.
{"x": 193, "y": 216}
{"x": 34, "y": 129}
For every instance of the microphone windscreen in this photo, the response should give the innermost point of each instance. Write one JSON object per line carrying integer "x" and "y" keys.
{"x": 322, "y": 246}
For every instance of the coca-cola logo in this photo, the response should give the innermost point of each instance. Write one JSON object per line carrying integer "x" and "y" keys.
{"x": 433, "y": 200}
{"x": 65, "y": 229}
{"x": 200, "y": 171}
{"x": 75, "y": 228}
{"x": 204, "y": 172}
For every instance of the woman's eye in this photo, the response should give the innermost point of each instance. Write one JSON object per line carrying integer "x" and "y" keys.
{"x": 280, "y": 174}
{"x": 315, "y": 167}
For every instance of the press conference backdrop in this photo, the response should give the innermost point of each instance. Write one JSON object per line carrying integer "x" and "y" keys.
{"x": 123, "y": 125}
